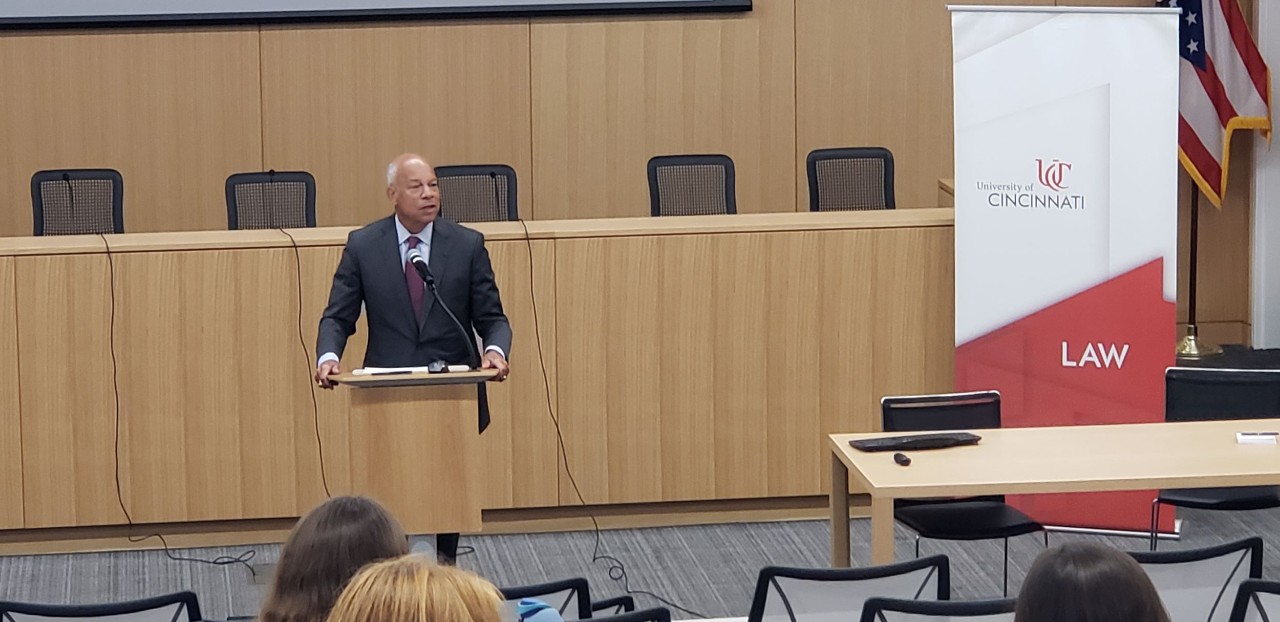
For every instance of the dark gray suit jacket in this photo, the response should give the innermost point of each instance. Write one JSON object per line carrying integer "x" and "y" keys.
{"x": 371, "y": 273}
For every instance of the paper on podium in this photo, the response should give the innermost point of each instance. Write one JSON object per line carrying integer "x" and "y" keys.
{"x": 386, "y": 371}
{"x": 374, "y": 371}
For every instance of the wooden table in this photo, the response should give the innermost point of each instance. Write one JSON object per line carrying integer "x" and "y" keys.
{"x": 1039, "y": 460}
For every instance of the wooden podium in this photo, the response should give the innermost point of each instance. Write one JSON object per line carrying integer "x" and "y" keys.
{"x": 415, "y": 447}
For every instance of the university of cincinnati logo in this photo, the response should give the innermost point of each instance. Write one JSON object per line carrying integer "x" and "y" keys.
{"x": 1051, "y": 175}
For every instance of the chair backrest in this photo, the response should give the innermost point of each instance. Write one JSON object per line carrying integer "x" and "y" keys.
{"x": 1199, "y": 584}
{"x": 838, "y": 594}
{"x": 77, "y": 201}
{"x": 689, "y": 185}
{"x": 168, "y": 608}
{"x": 1257, "y": 601}
{"x": 656, "y": 614}
{"x": 1195, "y": 394}
{"x": 571, "y": 597}
{"x": 612, "y": 606}
{"x": 852, "y": 178}
{"x": 271, "y": 200}
{"x": 977, "y": 410}
{"x": 478, "y": 193}
{"x": 898, "y": 610}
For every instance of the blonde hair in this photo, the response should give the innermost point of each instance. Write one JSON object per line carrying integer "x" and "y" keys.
{"x": 414, "y": 589}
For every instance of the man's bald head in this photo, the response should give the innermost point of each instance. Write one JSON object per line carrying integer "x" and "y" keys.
{"x": 393, "y": 169}
{"x": 413, "y": 191}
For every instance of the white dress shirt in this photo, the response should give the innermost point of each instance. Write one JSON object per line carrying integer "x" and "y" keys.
{"x": 424, "y": 247}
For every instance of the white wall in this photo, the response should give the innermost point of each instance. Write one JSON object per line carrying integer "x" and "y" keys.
{"x": 1266, "y": 196}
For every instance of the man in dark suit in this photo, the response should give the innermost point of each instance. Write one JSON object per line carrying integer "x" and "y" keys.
{"x": 406, "y": 325}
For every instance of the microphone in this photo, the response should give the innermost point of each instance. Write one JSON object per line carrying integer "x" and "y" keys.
{"x": 71, "y": 193}
{"x": 420, "y": 264}
{"x": 497, "y": 201}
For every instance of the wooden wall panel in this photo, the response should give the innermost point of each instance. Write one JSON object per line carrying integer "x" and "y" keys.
{"x": 725, "y": 363}
{"x": 174, "y": 112}
{"x": 10, "y": 403}
{"x": 520, "y": 452}
{"x": 608, "y": 95}
{"x": 343, "y": 101}
{"x": 68, "y": 405}
{"x": 878, "y": 73}
{"x": 332, "y": 425}
{"x": 914, "y": 315}
{"x": 191, "y": 448}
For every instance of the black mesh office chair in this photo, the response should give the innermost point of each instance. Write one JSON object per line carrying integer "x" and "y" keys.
{"x": 571, "y": 597}
{"x": 898, "y": 610}
{"x": 168, "y": 608}
{"x": 271, "y": 200}
{"x": 478, "y": 193}
{"x": 838, "y": 594}
{"x": 853, "y": 178}
{"x": 1197, "y": 584}
{"x": 689, "y": 185}
{"x": 1201, "y": 394}
{"x": 1256, "y": 601}
{"x": 77, "y": 201}
{"x": 976, "y": 518}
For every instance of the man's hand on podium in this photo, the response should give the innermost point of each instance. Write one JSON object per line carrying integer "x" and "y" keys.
{"x": 495, "y": 360}
{"x": 326, "y": 369}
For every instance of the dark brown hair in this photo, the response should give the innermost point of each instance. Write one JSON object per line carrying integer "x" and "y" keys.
{"x": 1081, "y": 582}
{"x": 326, "y": 548}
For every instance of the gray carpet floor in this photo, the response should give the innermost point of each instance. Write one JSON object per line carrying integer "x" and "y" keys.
{"x": 709, "y": 570}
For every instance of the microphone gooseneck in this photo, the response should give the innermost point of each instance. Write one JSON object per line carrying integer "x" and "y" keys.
{"x": 71, "y": 194}
{"x": 497, "y": 199}
{"x": 420, "y": 264}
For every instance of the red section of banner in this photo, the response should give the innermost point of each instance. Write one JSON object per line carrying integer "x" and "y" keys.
{"x": 1095, "y": 358}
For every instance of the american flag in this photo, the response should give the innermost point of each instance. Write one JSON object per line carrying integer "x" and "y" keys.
{"x": 1225, "y": 86}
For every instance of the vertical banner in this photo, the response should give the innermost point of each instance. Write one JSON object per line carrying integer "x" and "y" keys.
{"x": 1066, "y": 224}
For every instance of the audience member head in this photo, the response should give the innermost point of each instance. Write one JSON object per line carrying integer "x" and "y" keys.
{"x": 413, "y": 589}
{"x": 414, "y": 191}
{"x": 1082, "y": 582}
{"x": 326, "y": 548}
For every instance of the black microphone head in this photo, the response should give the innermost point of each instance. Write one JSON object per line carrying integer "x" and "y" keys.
{"x": 66, "y": 176}
{"x": 415, "y": 256}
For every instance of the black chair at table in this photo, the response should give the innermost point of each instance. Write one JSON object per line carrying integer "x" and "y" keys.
{"x": 850, "y": 178}
{"x": 77, "y": 201}
{"x": 478, "y": 192}
{"x": 692, "y": 185}
{"x": 1204, "y": 394}
{"x": 976, "y": 518}
{"x": 271, "y": 200}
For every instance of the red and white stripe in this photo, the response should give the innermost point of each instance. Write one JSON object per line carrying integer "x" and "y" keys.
{"x": 1232, "y": 92}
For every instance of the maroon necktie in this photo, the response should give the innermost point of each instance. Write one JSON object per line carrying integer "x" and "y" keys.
{"x": 417, "y": 291}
